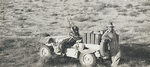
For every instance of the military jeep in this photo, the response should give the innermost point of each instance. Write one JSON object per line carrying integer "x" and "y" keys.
{"x": 85, "y": 50}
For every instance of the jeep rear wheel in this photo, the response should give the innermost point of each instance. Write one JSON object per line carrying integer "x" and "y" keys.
{"x": 45, "y": 53}
{"x": 87, "y": 59}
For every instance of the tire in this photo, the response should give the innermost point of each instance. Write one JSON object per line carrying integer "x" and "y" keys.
{"x": 45, "y": 53}
{"x": 87, "y": 59}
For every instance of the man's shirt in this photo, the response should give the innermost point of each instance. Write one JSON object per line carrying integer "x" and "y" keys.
{"x": 113, "y": 41}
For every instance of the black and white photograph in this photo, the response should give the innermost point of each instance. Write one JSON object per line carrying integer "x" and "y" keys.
{"x": 74, "y": 33}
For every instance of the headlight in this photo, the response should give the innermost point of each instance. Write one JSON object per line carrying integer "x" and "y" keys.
{"x": 97, "y": 54}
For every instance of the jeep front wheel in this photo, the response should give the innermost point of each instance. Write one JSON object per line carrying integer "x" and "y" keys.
{"x": 87, "y": 59}
{"x": 45, "y": 53}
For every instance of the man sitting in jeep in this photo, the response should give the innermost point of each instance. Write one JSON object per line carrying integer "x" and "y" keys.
{"x": 74, "y": 36}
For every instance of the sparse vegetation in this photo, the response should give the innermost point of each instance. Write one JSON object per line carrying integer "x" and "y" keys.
{"x": 23, "y": 22}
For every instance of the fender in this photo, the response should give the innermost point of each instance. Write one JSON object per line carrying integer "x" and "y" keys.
{"x": 87, "y": 51}
{"x": 92, "y": 48}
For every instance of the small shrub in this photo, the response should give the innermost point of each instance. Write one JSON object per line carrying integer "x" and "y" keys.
{"x": 81, "y": 18}
{"x": 99, "y": 7}
{"x": 22, "y": 18}
{"x": 54, "y": 22}
{"x": 123, "y": 13}
{"x": 129, "y": 6}
{"x": 86, "y": 0}
{"x": 24, "y": 33}
{"x": 29, "y": 10}
{"x": 140, "y": 21}
{"x": 121, "y": 10}
{"x": 112, "y": 6}
{"x": 124, "y": 30}
{"x": 146, "y": 4}
{"x": 134, "y": 13}
{"x": 54, "y": 14}
{"x": 44, "y": 34}
{"x": 143, "y": 10}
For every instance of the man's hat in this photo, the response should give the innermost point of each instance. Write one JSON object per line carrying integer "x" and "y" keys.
{"x": 110, "y": 25}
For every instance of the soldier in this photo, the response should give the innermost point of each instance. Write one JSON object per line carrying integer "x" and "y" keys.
{"x": 74, "y": 33}
{"x": 74, "y": 36}
{"x": 109, "y": 45}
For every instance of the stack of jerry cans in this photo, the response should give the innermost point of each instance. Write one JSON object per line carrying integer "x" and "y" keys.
{"x": 85, "y": 38}
{"x": 92, "y": 38}
{"x": 97, "y": 38}
{"x": 88, "y": 38}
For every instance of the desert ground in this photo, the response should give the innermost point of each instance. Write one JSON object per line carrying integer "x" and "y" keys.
{"x": 24, "y": 22}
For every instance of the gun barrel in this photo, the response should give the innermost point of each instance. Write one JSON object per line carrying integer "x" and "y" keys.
{"x": 70, "y": 23}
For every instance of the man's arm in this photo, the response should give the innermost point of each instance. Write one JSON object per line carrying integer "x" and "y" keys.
{"x": 104, "y": 46}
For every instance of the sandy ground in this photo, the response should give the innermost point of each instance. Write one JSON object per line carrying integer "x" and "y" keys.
{"x": 23, "y": 22}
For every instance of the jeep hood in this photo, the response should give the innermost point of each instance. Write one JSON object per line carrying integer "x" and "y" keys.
{"x": 57, "y": 39}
